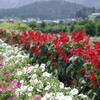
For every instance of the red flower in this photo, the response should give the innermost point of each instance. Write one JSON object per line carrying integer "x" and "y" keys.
{"x": 98, "y": 83}
{"x": 77, "y": 50}
{"x": 66, "y": 59}
{"x": 78, "y": 35}
{"x": 63, "y": 37}
{"x": 86, "y": 40}
{"x": 63, "y": 55}
{"x": 35, "y": 49}
{"x": 72, "y": 81}
{"x": 92, "y": 78}
{"x": 82, "y": 70}
{"x": 55, "y": 64}
{"x": 52, "y": 59}
{"x": 50, "y": 53}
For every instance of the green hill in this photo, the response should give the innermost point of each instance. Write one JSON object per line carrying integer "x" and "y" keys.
{"x": 51, "y": 9}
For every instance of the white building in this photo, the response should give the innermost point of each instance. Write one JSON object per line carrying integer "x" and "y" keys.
{"x": 95, "y": 14}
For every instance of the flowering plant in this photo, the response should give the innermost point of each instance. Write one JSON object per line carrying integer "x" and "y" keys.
{"x": 70, "y": 58}
{"x": 33, "y": 82}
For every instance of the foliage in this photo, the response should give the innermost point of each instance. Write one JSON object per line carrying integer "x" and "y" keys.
{"x": 14, "y": 25}
{"x": 90, "y": 26}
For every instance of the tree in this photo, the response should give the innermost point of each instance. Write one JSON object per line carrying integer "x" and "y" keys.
{"x": 72, "y": 28}
{"x": 90, "y": 28}
{"x": 43, "y": 24}
{"x": 98, "y": 29}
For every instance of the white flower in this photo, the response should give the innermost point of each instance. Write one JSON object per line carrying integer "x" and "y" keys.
{"x": 30, "y": 69}
{"x": 58, "y": 95}
{"x": 44, "y": 98}
{"x": 83, "y": 81}
{"x": 74, "y": 91}
{"x": 8, "y": 46}
{"x": 36, "y": 66}
{"x": 23, "y": 88}
{"x": 34, "y": 76}
{"x": 22, "y": 81}
{"x": 46, "y": 74}
{"x": 36, "y": 81}
{"x": 30, "y": 88}
{"x": 47, "y": 87}
{"x": 17, "y": 91}
{"x": 29, "y": 94}
{"x": 31, "y": 81}
{"x": 61, "y": 85}
{"x": 62, "y": 98}
{"x": 38, "y": 90}
{"x": 67, "y": 88}
{"x": 42, "y": 66}
{"x": 73, "y": 58}
{"x": 29, "y": 76}
{"x": 19, "y": 73}
{"x": 68, "y": 98}
{"x": 48, "y": 96}
{"x": 48, "y": 83}
{"x": 40, "y": 86}
{"x": 1, "y": 40}
{"x": 35, "y": 70}
{"x": 83, "y": 96}
{"x": 19, "y": 55}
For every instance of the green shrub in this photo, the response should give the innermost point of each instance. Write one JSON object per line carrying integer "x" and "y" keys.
{"x": 90, "y": 28}
{"x": 14, "y": 25}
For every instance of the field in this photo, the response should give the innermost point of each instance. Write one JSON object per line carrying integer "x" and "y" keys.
{"x": 48, "y": 66}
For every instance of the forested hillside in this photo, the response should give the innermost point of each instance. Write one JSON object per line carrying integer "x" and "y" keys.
{"x": 51, "y": 9}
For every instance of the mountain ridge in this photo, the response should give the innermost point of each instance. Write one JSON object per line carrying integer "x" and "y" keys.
{"x": 19, "y": 3}
{"x": 48, "y": 9}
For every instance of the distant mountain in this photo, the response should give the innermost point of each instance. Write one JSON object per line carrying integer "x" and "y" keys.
{"x": 88, "y": 3}
{"x": 50, "y": 9}
{"x": 19, "y": 3}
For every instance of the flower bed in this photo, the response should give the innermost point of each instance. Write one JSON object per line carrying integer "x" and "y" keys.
{"x": 29, "y": 82}
{"x": 70, "y": 58}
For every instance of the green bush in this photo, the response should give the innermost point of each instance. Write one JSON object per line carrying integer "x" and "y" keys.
{"x": 14, "y": 25}
{"x": 90, "y": 28}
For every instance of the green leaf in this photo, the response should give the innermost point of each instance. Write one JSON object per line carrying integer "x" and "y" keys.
{"x": 69, "y": 68}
